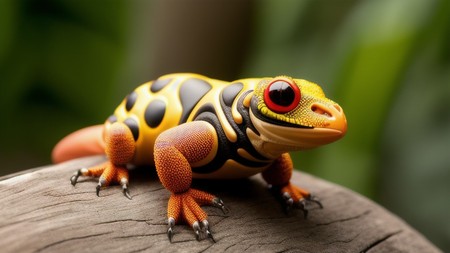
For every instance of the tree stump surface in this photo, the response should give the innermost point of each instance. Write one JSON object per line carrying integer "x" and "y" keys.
{"x": 42, "y": 212}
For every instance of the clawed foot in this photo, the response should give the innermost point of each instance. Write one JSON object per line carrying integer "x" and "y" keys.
{"x": 295, "y": 197}
{"x": 107, "y": 173}
{"x": 186, "y": 207}
{"x": 201, "y": 230}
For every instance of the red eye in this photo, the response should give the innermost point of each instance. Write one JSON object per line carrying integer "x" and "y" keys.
{"x": 282, "y": 96}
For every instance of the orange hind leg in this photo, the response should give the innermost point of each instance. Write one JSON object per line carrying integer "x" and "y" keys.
{"x": 120, "y": 149}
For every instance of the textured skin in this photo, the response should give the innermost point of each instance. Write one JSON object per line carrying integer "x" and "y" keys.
{"x": 119, "y": 144}
{"x": 191, "y": 126}
{"x": 280, "y": 172}
{"x": 178, "y": 148}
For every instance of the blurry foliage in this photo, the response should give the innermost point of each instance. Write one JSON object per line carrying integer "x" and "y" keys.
{"x": 58, "y": 61}
{"x": 415, "y": 157}
{"x": 66, "y": 64}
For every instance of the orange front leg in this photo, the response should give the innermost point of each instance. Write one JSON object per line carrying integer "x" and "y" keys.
{"x": 120, "y": 148}
{"x": 279, "y": 175}
{"x": 175, "y": 150}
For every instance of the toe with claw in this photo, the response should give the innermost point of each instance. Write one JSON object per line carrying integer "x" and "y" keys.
{"x": 171, "y": 222}
{"x": 124, "y": 183}
{"x": 107, "y": 173}
{"x": 314, "y": 199}
{"x": 219, "y": 203}
{"x": 77, "y": 174}
{"x": 207, "y": 231}
{"x": 186, "y": 207}
{"x": 295, "y": 197}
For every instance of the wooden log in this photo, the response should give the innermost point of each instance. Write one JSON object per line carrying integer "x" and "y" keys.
{"x": 42, "y": 212}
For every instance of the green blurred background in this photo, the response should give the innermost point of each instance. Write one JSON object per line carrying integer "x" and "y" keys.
{"x": 67, "y": 64}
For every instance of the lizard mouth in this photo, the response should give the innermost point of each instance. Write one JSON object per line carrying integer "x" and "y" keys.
{"x": 297, "y": 137}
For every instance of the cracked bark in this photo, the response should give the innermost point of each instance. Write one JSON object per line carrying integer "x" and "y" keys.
{"x": 42, "y": 212}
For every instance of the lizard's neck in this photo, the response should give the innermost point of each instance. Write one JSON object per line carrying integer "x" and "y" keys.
{"x": 267, "y": 148}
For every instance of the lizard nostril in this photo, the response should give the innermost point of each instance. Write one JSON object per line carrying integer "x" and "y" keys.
{"x": 320, "y": 110}
{"x": 338, "y": 108}
{"x": 332, "y": 115}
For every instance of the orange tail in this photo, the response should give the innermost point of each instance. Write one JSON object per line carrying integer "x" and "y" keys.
{"x": 84, "y": 142}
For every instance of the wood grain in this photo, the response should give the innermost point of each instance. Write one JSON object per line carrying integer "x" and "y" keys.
{"x": 42, "y": 212}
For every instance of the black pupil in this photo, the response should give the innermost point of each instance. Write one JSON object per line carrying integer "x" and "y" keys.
{"x": 281, "y": 93}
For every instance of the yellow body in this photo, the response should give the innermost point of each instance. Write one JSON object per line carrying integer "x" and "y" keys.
{"x": 169, "y": 94}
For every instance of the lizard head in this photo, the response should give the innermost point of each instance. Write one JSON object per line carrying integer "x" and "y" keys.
{"x": 295, "y": 114}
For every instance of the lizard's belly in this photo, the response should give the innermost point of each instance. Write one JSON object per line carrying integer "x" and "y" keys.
{"x": 231, "y": 170}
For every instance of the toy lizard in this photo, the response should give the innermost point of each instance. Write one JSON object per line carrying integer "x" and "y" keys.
{"x": 190, "y": 126}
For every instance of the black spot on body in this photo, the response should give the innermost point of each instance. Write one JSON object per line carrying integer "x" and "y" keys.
{"x": 131, "y": 100}
{"x": 191, "y": 91}
{"x": 112, "y": 119}
{"x": 230, "y": 93}
{"x": 133, "y": 126}
{"x": 159, "y": 84}
{"x": 154, "y": 113}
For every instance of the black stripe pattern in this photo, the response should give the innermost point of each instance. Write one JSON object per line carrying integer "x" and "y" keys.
{"x": 227, "y": 149}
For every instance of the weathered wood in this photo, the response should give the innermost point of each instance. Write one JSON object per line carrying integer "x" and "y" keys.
{"x": 42, "y": 212}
